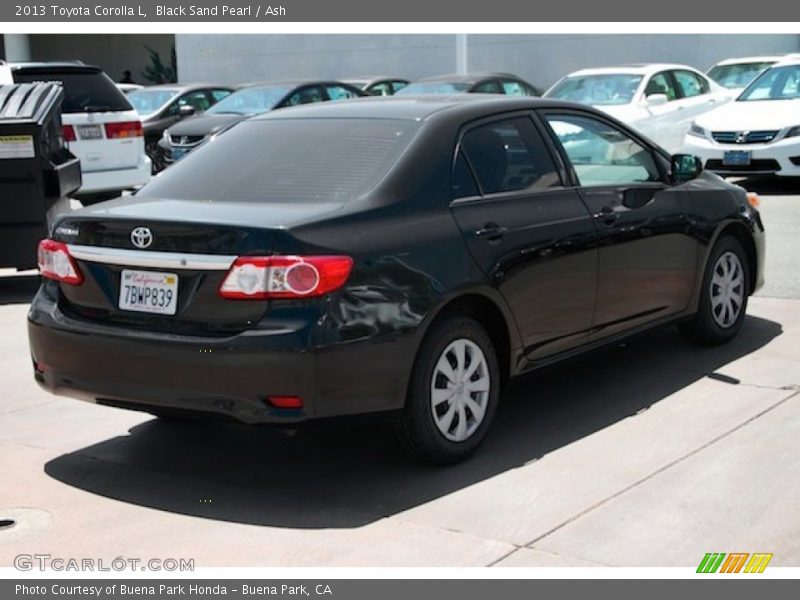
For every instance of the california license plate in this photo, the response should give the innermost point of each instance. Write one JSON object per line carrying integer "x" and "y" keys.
{"x": 734, "y": 158}
{"x": 90, "y": 132}
{"x": 149, "y": 292}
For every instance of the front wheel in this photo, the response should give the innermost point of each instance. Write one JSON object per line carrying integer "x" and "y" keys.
{"x": 723, "y": 298}
{"x": 452, "y": 394}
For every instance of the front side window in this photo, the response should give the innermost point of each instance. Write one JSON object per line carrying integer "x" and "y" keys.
{"x": 600, "y": 154}
{"x": 691, "y": 84}
{"x": 463, "y": 183}
{"x": 198, "y": 100}
{"x": 509, "y": 155}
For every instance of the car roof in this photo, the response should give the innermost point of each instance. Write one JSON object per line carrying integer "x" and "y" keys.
{"x": 469, "y": 77}
{"x": 417, "y": 108}
{"x": 749, "y": 59}
{"x": 185, "y": 87}
{"x": 76, "y": 66}
{"x": 631, "y": 69}
{"x": 788, "y": 61}
{"x": 373, "y": 78}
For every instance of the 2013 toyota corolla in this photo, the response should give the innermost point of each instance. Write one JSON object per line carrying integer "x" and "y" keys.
{"x": 388, "y": 254}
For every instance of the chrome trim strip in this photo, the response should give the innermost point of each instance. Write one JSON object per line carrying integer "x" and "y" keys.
{"x": 157, "y": 260}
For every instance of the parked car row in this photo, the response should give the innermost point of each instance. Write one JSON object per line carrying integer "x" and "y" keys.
{"x": 122, "y": 133}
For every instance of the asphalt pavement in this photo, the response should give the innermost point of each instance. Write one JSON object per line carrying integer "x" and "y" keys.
{"x": 651, "y": 453}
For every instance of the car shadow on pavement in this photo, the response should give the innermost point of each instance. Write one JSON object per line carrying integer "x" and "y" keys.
{"x": 347, "y": 475}
{"x": 18, "y": 289}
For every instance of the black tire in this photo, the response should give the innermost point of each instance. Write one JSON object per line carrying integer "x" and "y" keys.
{"x": 152, "y": 150}
{"x": 705, "y": 327}
{"x": 416, "y": 428}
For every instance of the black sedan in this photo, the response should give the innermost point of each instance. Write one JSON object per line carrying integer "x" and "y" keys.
{"x": 246, "y": 102}
{"x": 473, "y": 83}
{"x": 161, "y": 106}
{"x": 405, "y": 255}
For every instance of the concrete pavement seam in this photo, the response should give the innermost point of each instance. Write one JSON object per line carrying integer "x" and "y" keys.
{"x": 662, "y": 469}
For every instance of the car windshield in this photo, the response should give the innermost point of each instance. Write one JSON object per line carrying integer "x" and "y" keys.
{"x": 737, "y": 75}
{"x": 90, "y": 91}
{"x": 146, "y": 102}
{"x": 617, "y": 88}
{"x": 776, "y": 83}
{"x": 436, "y": 87}
{"x": 287, "y": 160}
{"x": 251, "y": 101}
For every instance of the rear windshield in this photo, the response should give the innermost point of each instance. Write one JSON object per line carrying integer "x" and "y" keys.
{"x": 83, "y": 91}
{"x": 610, "y": 89}
{"x": 738, "y": 75}
{"x": 146, "y": 102}
{"x": 288, "y": 160}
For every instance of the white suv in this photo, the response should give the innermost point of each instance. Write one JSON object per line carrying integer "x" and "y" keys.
{"x": 101, "y": 128}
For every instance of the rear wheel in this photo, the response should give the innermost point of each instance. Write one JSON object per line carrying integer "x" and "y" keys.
{"x": 452, "y": 394}
{"x": 723, "y": 298}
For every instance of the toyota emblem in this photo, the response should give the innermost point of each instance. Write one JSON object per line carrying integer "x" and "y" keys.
{"x": 142, "y": 237}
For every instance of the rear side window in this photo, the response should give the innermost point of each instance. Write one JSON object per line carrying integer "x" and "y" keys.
{"x": 288, "y": 160}
{"x": 510, "y": 155}
{"x": 691, "y": 84}
{"x": 661, "y": 83}
{"x": 83, "y": 91}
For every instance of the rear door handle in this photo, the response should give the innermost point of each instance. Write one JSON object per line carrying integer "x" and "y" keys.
{"x": 606, "y": 215}
{"x": 491, "y": 231}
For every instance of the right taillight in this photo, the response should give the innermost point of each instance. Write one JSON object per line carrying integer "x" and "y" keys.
{"x": 265, "y": 277}
{"x": 68, "y": 131}
{"x": 56, "y": 263}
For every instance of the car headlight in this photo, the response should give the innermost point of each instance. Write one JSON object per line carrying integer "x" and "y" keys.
{"x": 794, "y": 132}
{"x": 696, "y": 130}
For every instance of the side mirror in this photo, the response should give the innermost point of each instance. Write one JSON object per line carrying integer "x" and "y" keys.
{"x": 186, "y": 110}
{"x": 685, "y": 167}
{"x": 656, "y": 99}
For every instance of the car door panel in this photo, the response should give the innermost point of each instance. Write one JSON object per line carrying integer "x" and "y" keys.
{"x": 646, "y": 257}
{"x": 536, "y": 245}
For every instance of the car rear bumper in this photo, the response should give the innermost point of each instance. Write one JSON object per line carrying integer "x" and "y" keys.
{"x": 781, "y": 158}
{"x": 115, "y": 180}
{"x": 228, "y": 377}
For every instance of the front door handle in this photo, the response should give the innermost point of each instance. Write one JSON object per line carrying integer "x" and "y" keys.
{"x": 491, "y": 232}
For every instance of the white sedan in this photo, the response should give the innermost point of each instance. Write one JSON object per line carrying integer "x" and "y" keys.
{"x": 759, "y": 133}
{"x": 660, "y": 100}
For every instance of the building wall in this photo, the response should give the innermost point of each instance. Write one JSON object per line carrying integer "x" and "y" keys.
{"x": 540, "y": 58}
{"x": 114, "y": 53}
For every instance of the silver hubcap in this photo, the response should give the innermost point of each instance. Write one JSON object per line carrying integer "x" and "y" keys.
{"x": 460, "y": 390}
{"x": 727, "y": 290}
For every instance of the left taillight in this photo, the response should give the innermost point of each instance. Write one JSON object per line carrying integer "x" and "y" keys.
{"x": 124, "y": 129}
{"x": 266, "y": 277}
{"x": 56, "y": 263}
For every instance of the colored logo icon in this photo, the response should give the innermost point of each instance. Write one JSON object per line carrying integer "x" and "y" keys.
{"x": 735, "y": 562}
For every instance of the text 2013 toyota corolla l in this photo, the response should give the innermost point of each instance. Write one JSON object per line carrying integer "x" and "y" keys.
{"x": 388, "y": 254}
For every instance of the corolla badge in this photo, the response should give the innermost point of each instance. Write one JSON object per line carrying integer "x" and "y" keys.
{"x": 141, "y": 237}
